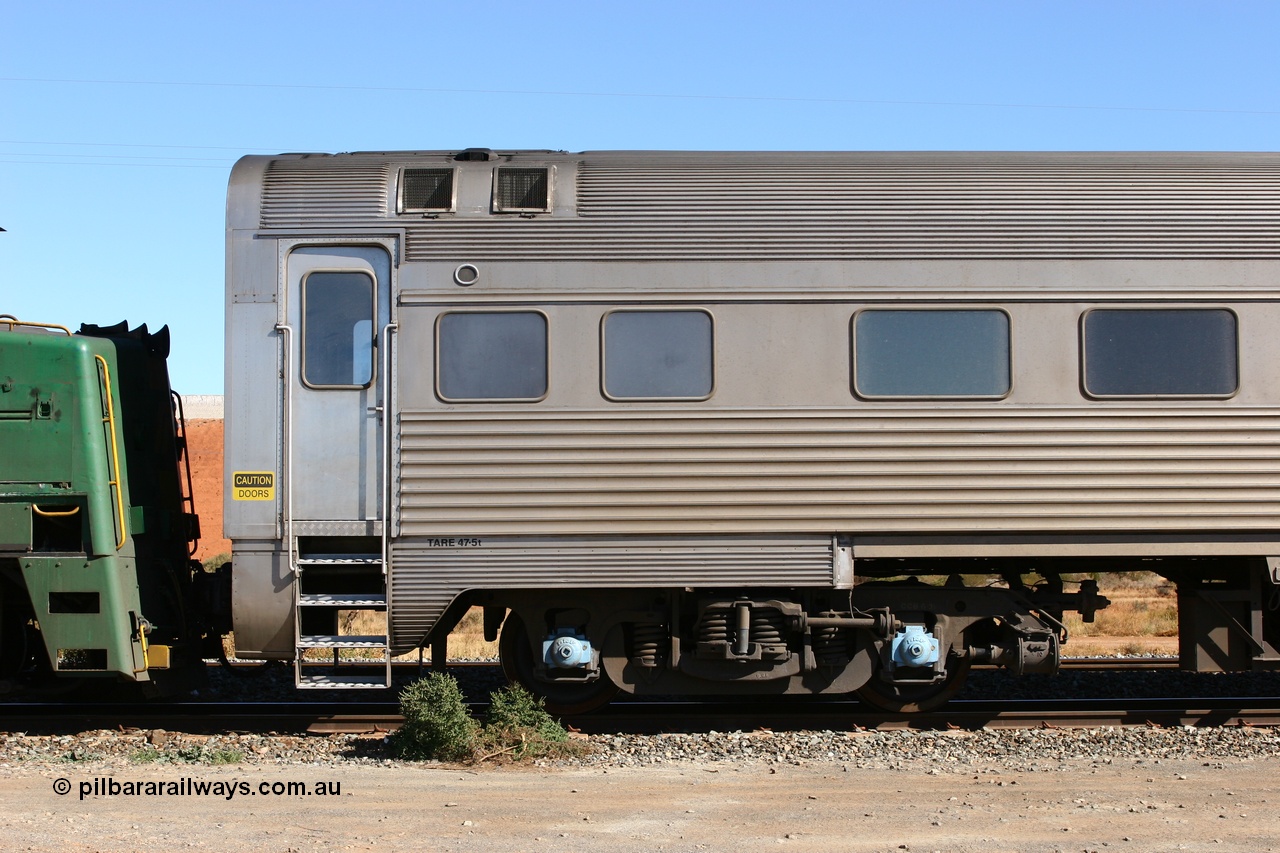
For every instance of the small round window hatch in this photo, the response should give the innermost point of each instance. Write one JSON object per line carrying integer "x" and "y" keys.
{"x": 466, "y": 275}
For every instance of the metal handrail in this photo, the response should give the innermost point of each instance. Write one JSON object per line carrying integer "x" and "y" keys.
{"x": 11, "y": 321}
{"x": 189, "y": 498}
{"x": 388, "y": 332}
{"x": 110, "y": 421}
{"x": 49, "y": 513}
{"x": 286, "y": 335}
{"x": 142, "y": 641}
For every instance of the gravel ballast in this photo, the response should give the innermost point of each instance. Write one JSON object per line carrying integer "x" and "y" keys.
{"x": 1026, "y": 749}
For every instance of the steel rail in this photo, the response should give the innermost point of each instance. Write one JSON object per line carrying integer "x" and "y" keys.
{"x": 658, "y": 717}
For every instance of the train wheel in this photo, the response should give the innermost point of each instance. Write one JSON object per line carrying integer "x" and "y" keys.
{"x": 560, "y": 699}
{"x": 915, "y": 698}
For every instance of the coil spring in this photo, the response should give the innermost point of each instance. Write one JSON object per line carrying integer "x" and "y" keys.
{"x": 649, "y": 643}
{"x": 768, "y": 627}
{"x": 714, "y": 627}
{"x": 830, "y": 645}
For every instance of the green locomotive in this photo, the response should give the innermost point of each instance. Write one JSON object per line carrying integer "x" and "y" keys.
{"x": 97, "y": 522}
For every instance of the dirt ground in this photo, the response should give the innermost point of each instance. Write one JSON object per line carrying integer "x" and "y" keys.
{"x": 1175, "y": 805}
{"x": 204, "y": 440}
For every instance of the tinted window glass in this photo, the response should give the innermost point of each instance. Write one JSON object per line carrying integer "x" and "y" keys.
{"x": 492, "y": 356}
{"x": 1160, "y": 351}
{"x": 931, "y": 353}
{"x": 657, "y": 354}
{"x": 337, "y": 329}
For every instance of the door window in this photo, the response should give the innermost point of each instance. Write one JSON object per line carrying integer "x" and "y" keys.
{"x": 337, "y": 329}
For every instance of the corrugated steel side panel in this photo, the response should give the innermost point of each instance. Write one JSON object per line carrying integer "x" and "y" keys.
{"x": 826, "y": 471}
{"x": 425, "y": 579}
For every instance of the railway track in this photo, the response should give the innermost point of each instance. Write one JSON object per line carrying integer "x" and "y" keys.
{"x": 656, "y": 717}
{"x": 647, "y": 716}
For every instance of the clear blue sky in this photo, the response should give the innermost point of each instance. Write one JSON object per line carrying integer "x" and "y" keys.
{"x": 120, "y": 121}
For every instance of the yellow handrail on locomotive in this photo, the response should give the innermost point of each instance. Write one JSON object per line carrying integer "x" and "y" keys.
{"x": 11, "y": 321}
{"x": 142, "y": 641}
{"x": 53, "y": 513}
{"x": 110, "y": 421}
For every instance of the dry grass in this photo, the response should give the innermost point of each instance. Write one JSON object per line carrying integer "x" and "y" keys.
{"x": 466, "y": 640}
{"x": 1129, "y": 618}
{"x": 1142, "y": 618}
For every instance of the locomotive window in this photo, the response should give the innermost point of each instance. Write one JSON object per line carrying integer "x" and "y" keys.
{"x": 337, "y": 329}
{"x": 1160, "y": 352}
{"x": 495, "y": 355}
{"x": 657, "y": 355}
{"x": 931, "y": 353}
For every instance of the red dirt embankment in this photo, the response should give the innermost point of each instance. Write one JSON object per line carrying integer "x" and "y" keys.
{"x": 204, "y": 444}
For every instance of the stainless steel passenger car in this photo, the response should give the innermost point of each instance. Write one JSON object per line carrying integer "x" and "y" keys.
{"x": 701, "y": 422}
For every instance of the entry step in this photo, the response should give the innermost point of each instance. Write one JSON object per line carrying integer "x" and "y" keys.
{"x": 342, "y": 641}
{"x": 340, "y": 560}
{"x": 340, "y": 682}
{"x": 352, "y": 602}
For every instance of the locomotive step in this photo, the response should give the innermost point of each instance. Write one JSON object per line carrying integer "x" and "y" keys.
{"x": 336, "y": 641}
{"x": 339, "y": 682}
{"x": 340, "y": 560}
{"x": 351, "y": 602}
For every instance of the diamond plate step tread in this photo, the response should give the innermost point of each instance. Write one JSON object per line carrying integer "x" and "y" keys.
{"x": 353, "y": 602}
{"x": 335, "y": 641}
{"x": 332, "y": 682}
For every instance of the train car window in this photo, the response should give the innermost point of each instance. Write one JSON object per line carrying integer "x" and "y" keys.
{"x": 658, "y": 355}
{"x": 931, "y": 353}
{"x": 1160, "y": 352}
{"x": 337, "y": 329}
{"x": 491, "y": 356}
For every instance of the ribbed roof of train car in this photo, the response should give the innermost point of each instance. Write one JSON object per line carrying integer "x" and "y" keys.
{"x": 628, "y": 205}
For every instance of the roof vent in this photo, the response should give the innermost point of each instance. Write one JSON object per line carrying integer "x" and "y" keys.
{"x": 476, "y": 154}
{"x": 520, "y": 190}
{"x": 424, "y": 190}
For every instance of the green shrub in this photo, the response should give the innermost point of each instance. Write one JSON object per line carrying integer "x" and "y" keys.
{"x": 436, "y": 725}
{"x": 519, "y": 727}
{"x": 225, "y": 756}
{"x": 514, "y": 709}
{"x": 436, "y": 722}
